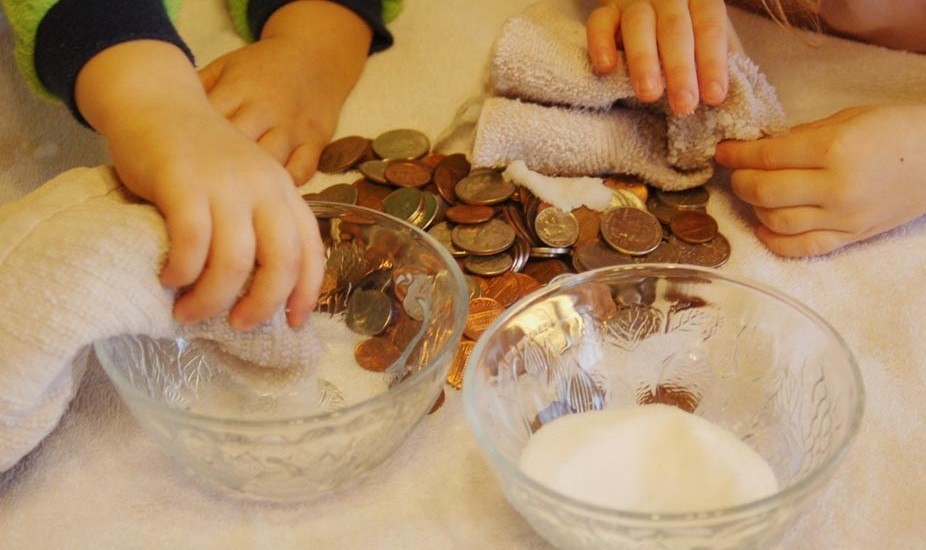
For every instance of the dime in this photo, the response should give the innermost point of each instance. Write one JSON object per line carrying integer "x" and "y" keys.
{"x": 485, "y": 238}
{"x": 556, "y": 228}
{"x": 376, "y": 354}
{"x": 401, "y": 144}
{"x": 448, "y": 173}
{"x": 468, "y": 213}
{"x": 488, "y": 266}
{"x": 464, "y": 350}
{"x": 342, "y": 154}
{"x": 368, "y": 312}
{"x": 484, "y": 187}
{"x": 689, "y": 199}
{"x": 631, "y": 230}
{"x": 343, "y": 193}
{"x": 482, "y": 312}
{"x": 407, "y": 173}
{"x": 693, "y": 226}
{"x": 374, "y": 170}
{"x": 442, "y": 233}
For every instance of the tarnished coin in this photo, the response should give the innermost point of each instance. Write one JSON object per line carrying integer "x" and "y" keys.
{"x": 484, "y": 187}
{"x": 343, "y": 193}
{"x": 710, "y": 254}
{"x": 442, "y": 233}
{"x": 488, "y": 266}
{"x": 406, "y": 203}
{"x": 504, "y": 289}
{"x": 374, "y": 170}
{"x": 594, "y": 254}
{"x": 482, "y": 312}
{"x": 433, "y": 160}
{"x": 407, "y": 173}
{"x": 694, "y": 226}
{"x": 485, "y": 238}
{"x": 689, "y": 199}
{"x": 665, "y": 253}
{"x": 368, "y": 312}
{"x": 401, "y": 144}
{"x": 370, "y": 195}
{"x": 556, "y": 228}
{"x": 448, "y": 173}
{"x": 663, "y": 213}
{"x": 470, "y": 213}
{"x": 631, "y": 230}
{"x": 342, "y": 154}
{"x": 376, "y": 354}
{"x": 464, "y": 350}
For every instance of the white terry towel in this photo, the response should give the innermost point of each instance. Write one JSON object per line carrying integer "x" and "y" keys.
{"x": 79, "y": 261}
{"x": 554, "y": 113}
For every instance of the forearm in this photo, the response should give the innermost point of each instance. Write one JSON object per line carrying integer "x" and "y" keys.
{"x": 901, "y": 25}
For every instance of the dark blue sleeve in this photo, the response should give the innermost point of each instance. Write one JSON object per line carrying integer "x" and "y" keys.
{"x": 370, "y": 11}
{"x": 73, "y": 31}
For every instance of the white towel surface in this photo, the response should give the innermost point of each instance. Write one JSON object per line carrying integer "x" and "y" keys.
{"x": 97, "y": 481}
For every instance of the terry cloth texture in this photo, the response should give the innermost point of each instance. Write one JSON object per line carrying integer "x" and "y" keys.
{"x": 79, "y": 261}
{"x": 553, "y": 112}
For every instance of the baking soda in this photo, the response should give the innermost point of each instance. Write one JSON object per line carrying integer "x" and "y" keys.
{"x": 649, "y": 459}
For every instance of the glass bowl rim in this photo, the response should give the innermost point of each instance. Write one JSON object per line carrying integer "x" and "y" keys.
{"x": 461, "y": 305}
{"x": 512, "y": 472}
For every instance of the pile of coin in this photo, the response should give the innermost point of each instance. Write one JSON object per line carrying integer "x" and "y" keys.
{"x": 508, "y": 241}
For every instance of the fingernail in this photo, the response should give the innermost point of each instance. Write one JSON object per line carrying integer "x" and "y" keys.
{"x": 684, "y": 102}
{"x": 647, "y": 86}
{"x": 713, "y": 93}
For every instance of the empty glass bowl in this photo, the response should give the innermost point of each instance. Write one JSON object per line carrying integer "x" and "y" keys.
{"x": 741, "y": 355}
{"x": 293, "y": 434}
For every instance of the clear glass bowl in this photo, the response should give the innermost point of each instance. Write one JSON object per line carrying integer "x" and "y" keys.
{"x": 281, "y": 441}
{"x": 740, "y": 354}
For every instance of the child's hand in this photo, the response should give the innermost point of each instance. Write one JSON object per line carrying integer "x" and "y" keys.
{"x": 686, "y": 40}
{"x": 285, "y": 91}
{"x": 835, "y": 181}
{"x": 231, "y": 209}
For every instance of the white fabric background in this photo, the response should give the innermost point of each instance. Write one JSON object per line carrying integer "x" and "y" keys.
{"x": 98, "y": 482}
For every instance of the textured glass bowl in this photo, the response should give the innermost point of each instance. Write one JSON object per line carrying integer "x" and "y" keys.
{"x": 742, "y": 355}
{"x": 265, "y": 453}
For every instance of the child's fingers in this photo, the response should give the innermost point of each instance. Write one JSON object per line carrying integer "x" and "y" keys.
{"x": 189, "y": 231}
{"x": 278, "y": 143}
{"x": 795, "y": 220}
{"x": 779, "y": 188}
{"x": 638, "y": 27}
{"x": 792, "y": 150}
{"x": 279, "y": 257}
{"x": 311, "y": 271}
{"x": 231, "y": 260}
{"x": 676, "y": 50}
{"x": 709, "y": 21}
{"x": 303, "y": 161}
{"x": 251, "y": 121}
{"x": 811, "y": 243}
{"x": 211, "y": 74}
{"x": 600, "y": 31}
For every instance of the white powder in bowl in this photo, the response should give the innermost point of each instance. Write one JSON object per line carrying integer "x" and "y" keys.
{"x": 649, "y": 459}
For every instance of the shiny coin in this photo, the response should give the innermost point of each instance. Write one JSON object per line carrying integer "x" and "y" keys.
{"x": 474, "y": 286}
{"x": 638, "y": 188}
{"x": 548, "y": 251}
{"x": 428, "y": 213}
{"x": 488, "y": 266}
{"x": 545, "y": 270}
{"x": 448, "y": 173}
{"x": 482, "y": 312}
{"x": 623, "y": 197}
{"x": 401, "y": 144}
{"x": 693, "y": 226}
{"x": 504, "y": 289}
{"x": 556, "y": 228}
{"x": 690, "y": 199}
{"x": 464, "y": 350}
{"x": 368, "y": 312}
{"x": 406, "y": 203}
{"x": 515, "y": 218}
{"x": 589, "y": 223}
{"x": 343, "y": 193}
{"x": 485, "y": 238}
{"x": 484, "y": 187}
{"x": 376, "y": 354}
{"x": 595, "y": 254}
{"x": 418, "y": 297}
{"x": 407, "y": 173}
{"x": 468, "y": 213}
{"x": 374, "y": 170}
{"x": 342, "y": 154}
{"x": 442, "y": 233}
{"x": 631, "y": 230}
{"x": 522, "y": 253}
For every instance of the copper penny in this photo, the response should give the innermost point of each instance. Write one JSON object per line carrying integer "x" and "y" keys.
{"x": 693, "y": 226}
{"x": 370, "y": 195}
{"x": 667, "y": 394}
{"x": 636, "y": 187}
{"x": 505, "y": 289}
{"x": 526, "y": 284}
{"x": 545, "y": 270}
{"x": 589, "y": 224}
{"x": 376, "y": 354}
{"x": 448, "y": 173}
{"x": 482, "y": 312}
{"x": 464, "y": 350}
{"x": 342, "y": 154}
{"x": 407, "y": 173}
{"x": 468, "y": 213}
{"x": 433, "y": 159}
{"x": 631, "y": 230}
{"x": 437, "y": 402}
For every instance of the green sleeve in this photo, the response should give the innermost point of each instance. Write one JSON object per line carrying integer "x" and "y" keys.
{"x": 25, "y": 16}
{"x": 239, "y": 15}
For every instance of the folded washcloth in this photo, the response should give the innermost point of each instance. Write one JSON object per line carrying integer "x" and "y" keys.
{"x": 554, "y": 113}
{"x": 79, "y": 261}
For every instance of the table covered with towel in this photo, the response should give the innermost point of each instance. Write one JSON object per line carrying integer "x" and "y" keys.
{"x": 97, "y": 481}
